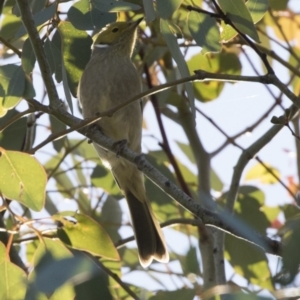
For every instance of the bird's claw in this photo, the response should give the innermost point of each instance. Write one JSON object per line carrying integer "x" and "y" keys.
{"x": 118, "y": 146}
{"x": 94, "y": 127}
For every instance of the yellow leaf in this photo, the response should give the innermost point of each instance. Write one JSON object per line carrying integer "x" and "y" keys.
{"x": 263, "y": 174}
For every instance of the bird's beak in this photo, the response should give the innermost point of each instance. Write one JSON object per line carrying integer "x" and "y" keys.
{"x": 137, "y": 22}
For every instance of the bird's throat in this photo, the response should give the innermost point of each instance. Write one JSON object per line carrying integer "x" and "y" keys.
{"x": 101, "y": 46}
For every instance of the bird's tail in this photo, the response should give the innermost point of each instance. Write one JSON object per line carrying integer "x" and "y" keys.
{"x": 148, "y": 234}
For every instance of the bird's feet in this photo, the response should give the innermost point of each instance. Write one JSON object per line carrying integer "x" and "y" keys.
{"x": 94, "y": 127}
{"x": 118, "y": 146}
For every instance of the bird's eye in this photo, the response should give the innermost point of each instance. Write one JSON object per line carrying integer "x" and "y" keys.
{"x": 115, "y": 29}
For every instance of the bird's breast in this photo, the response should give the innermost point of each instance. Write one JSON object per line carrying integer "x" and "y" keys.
{"x": 108, "y": 82}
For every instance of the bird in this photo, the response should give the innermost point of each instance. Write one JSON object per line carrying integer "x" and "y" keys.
{"x": 110, "y": 78}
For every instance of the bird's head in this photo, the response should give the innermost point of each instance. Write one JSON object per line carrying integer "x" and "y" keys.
{"x": 118, "y": 36}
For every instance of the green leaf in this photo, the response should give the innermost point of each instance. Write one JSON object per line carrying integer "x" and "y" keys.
{"x": 84, "y": 202}
{"x": 64, "y": 183}
{"x": 14, "y": 85}
{"x": 15, "y": 89}
{"x": 30, "y": 251}
{"x": 102, "y": 178}
{"x": 29, "y": 91}
{"x": 205, "y": 31}
{"x": 111, "y": 218}
{"x": 227, "y": 32}
{"x": 50, "y": 207}
{"x": 186, "y": 149}
{"x": 257, "y": 9}
{"x": 9, "y": 25}
{"x": 58, "y": 252}
{"x": 81, "y": 177}
{"x": 130, "y": 258}
{"x": 291, "y": 255}
{"x": 248, "y": 207}
{"x": 35, "y": 6}
{"x": 179, "y": 59}
{"x": 160, "y": 159}
{"x": 166, "y": 8}
{"x": 39, "y": 18}
{"x": 290, "y": 211}
{"x": 240, "y": 16}
{"x": 189, "y": 177}
{"x": 61, "y": 271}
{"x": 191, "y": 262}
{"x": 53, "y": 52}
{"x": 224, "y": 62}
{"x": 114, "y": 6}
{"x": 87, "y": 235}
{"x": 278, "y": 5}
{"x": 163, "y": 206}
{"x": 64, "y": 292}
{"x": 66, "y": 87}
{"x": 186, "y": 294}
{"x": 18, "y": 129}
{"x": 57, "y": 249}
{"x": 95, "y": 288}
{"x": 76, "y": 50}
{"x": 153, "y": 54}
{"x": 28, "y": 57}
{"x": 243, "y": 296}
{"x": 259, "y": 172}
{"x": 248, "y": 261}
{"x": 294, "y": 62}
{"x": 13, "y": 279}
{"x": 180, "y": 17}
{"x": 57, "y": 126}
{"x": 215, "y": 181}
{"x": 22, "y": 178}
{"x": 84, "y": 16}
{"x": 12, "y": 81}
{"x": 271, "y": 212}
{"x": 85, "y": 150}
{"x": 149, "y": 10}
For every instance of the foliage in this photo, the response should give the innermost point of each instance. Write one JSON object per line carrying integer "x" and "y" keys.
{"x": 64, "y": 226}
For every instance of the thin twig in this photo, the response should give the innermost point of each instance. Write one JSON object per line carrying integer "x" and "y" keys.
{"x": 165, "y": 144}
{"x": 16, "y": 118}
{"x": 270, "y": 170}
{"x": 10, "y": 46}
{"x": 119, "y": 281}
{"x": 67, "y": 152}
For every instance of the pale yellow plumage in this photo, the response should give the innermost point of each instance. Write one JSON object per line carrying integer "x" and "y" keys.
{"x": 109, "y": 79}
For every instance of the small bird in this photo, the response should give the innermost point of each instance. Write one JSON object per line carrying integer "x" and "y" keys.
{"x": 109, "y": 79}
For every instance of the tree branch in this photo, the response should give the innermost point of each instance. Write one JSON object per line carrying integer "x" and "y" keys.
{"x": 222, "y": 220}
{"x": 37, "y": 45}
{"x": 248, "y": 154}
{"x": 208, "y": 217}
